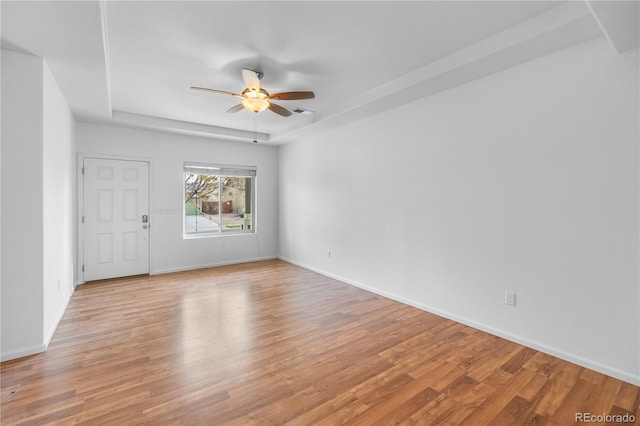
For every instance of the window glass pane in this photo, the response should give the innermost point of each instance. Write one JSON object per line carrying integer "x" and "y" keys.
{"x": 201, "y": 203}
{"x": 236, "y": 203}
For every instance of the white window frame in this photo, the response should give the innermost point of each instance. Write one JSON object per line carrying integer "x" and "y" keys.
{"x": 220, "y": 170}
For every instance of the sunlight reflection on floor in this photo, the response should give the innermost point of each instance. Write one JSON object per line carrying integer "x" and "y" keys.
{"x": 216, "y": 323}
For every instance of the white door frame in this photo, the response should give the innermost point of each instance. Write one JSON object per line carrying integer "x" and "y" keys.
{"x": 80, "y": 208}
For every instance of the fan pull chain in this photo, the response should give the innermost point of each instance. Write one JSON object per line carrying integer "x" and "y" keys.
{"x": 255, "y": 127}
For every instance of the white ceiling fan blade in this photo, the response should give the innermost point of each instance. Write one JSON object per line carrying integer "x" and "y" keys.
{"x": 251, "y": 79}
{"x": 236, "y": 108}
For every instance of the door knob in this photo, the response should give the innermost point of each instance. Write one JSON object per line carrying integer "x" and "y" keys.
{"x": 144, "y": 226}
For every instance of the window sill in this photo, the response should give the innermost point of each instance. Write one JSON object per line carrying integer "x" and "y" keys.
{"x": 216, "y": 235}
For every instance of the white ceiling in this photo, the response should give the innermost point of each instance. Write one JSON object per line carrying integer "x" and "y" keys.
{"x": 133, "y": 62}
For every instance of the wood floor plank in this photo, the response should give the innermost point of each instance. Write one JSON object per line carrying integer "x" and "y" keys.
{"x": 518, "y": 411}
{"x": 272, "y": 343}
{"x": 562, "y": 378}
{"x": 533, "y": 388}
{"x": 627, "y": 397}
{"x": 499, "y": 400}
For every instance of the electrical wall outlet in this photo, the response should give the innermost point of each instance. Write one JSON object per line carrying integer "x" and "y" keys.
{"x": 510, "y": 298}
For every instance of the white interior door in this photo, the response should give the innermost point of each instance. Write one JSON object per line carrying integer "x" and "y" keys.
{"x": 116, "y": 218}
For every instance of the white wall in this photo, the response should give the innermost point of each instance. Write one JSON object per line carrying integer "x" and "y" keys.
{"x": 526, "y": 180}
{"x": 38, "y": 201}
{"x": 22, "y": 226}
{"x": 59, "y": 205}
{"x": 167, "y": 153}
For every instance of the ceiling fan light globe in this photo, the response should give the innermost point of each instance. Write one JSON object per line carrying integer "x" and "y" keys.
{"x": 254, "y": 100}
{"x": 255, "y": 104}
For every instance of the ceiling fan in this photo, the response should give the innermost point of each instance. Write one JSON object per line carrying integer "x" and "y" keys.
{"x": 255, "y": 98}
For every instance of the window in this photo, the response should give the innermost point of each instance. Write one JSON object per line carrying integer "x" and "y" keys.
{"x": 218, "y": 199}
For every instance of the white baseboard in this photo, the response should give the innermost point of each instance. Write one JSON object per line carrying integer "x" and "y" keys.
{"x": 209, "y": 265}
{"x": 203, "y": 266}
{"x": 576, "y": 359}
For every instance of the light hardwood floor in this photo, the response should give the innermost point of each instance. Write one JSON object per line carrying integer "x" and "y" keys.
{"x": 271, "y": 343}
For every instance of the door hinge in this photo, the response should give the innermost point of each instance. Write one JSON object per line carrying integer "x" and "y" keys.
{"x": 83, "y": 170}
{"x": 82, "y": 268}
{"x": 82, "y": 219}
